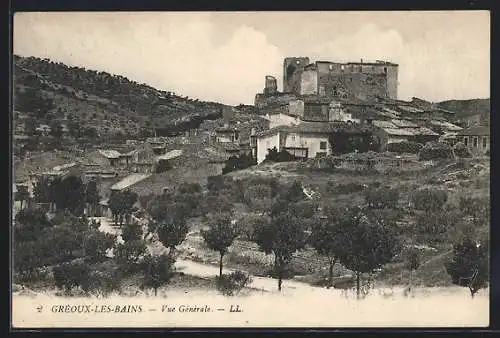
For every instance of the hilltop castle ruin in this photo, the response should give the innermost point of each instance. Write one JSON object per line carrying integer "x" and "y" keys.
{"x": 329, "y": 80}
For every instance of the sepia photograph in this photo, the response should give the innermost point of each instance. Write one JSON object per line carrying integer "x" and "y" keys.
{"x": 325, "y": 169}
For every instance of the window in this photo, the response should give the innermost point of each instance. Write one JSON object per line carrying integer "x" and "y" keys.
{"x": 320, "y": 154}
{"x": 330, "y": 67}
{"x": 474, "y": 141}
{"x": 485, "y": 141}
{"x": 342, "y": 67}
{"x": 466, "y": 140}
{"x": 322, "y": 145}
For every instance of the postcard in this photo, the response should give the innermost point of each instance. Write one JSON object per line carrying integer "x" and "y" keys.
{"x": 325, "y": 169}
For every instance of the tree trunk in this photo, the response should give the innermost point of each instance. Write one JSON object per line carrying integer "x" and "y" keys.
{"x": 220, "y": 264}
{"x": 357, "y": 285}
{"x": 330, "y": 273}
{"x": 472, "y": 292}
{"x": 156, "y": 289}
{"x": 411, "y": 279}
{"x": 279, "y": 271}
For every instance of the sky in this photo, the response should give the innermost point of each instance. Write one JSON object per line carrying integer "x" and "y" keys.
{"x": 225, "y": 56}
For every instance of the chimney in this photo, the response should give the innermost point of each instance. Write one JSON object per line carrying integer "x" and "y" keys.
{"x": 361, "y": 60}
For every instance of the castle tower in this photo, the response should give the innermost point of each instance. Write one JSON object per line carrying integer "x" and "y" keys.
{"x": 292, "y": 70}
{"x": 271, "y": 86}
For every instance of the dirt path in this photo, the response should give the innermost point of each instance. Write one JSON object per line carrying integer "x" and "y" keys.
{"x": 208, "y": 271}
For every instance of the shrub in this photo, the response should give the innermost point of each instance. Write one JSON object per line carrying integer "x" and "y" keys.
{"x": 405, "y": 147}
{"x": 71, "y": 275}
{"x": 461, "y": 150}
{"x": 282, "y": 156}
{"x": 102, "y": 282}
{"x": 383, "y": 197}
{"x": 429, "y": 200}
{"x": 341, "y": 189}
{"x": 435, "y": 151}
{"x": 233, "y": 283}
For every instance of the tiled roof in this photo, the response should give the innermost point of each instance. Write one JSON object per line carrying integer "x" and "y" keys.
{"x": 391, "y": 111}
{"x": 109, "y": 153}
{"x": 170, "y": 155}
{"x": 312, "y": 128}
{"x": 384, "y": 124}
{"x": 425, "y": 131}
{"x": 410, "y": 109}
{"x": 398, "y": 132}
{"x": 404, "y": 123}
{"x": 64, "y": 166}
{"x": 447, "y": 125}
{"x": 129, "y": 181}
{"x": 476, "y": 130}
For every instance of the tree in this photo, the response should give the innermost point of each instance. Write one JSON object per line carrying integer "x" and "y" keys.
{"x": 92, "y": 196}
{"x": 216, "y": 204}
{"x": 469, "y": 266}
{"x": 44, "y": 191}
{"x": 412, "y": 262}
{"x": 429, "y": 200}
{"x": 172, "y": 231}
{"x": 220, "y": 235}
{"x": 249, "y": 223}
{"x": 69, "y": 194}
{"x": 368, "y": 243}
{"x": 282, "y": 236}
{"x": 56, "y": 129}
{"x": 121, "y": 204}
{"x": 29, "y": 224}
{"x": 22, "y": 194}
{"x": 435, "y": 151}
{"x": 71, "y": 275}
{"x": 97, "y": 243}
{"x": 478, "y": 209}
{"x": 130, "y": 253}
{"x": 29, "y": 126}
{"x": 157, "y": 270}
{"x": 258, "y": 197}
{"x": 295, "y": 193}
{"x": 327, "y": 241}
{"x": 132, "y": 231}
{"x": 433, "y": 226}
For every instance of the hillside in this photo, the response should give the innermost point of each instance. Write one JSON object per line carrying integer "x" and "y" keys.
{"x": 467, "y": 108}
{"x": 109, "y": 103}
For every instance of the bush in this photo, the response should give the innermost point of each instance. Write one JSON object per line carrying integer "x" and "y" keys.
{"x": 429, "y": 200}
{"x": 341, "y": 189}
{"x": 380, "y": 198}
{"x": 282, "y": 156}
{"x": 435, "y": 151}
{"x": 71, "y": 275}
{"x": 233, "y": 283}
{"x": 461, "y": 150}
{"x": 102, "y": 282}
{"x": 405, "y": 147}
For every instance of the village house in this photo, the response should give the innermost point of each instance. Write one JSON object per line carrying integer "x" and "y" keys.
{"x": 400, "y": 130}
{"x": 305, "y": 140}
{"x": 43, "y": 129}
{"x": 227, "y": 134}
{"x": 280, "y": 119}
{"x": 169, "y": 159}
{"x": 476, "y": 138}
